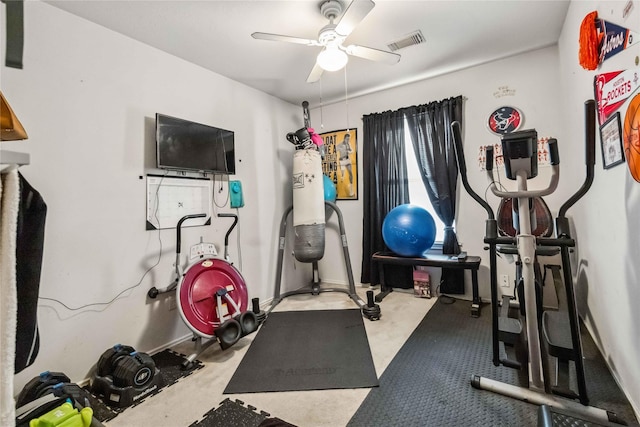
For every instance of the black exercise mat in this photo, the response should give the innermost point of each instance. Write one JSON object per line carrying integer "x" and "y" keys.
{"x": 307, "y": 350}
{"x": 170, "y": 365}
{"x": 234, "y": 413}
{"x": 427, "y": 382}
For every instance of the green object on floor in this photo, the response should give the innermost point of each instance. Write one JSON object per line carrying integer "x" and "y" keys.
{"x": 64, "y": 415}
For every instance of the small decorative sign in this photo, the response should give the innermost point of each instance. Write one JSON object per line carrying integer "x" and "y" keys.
{"x": 611, "y": 140}
{"x": 612, "y": 90}
{"x": 504, "y": 91}
{"x": 505, "y": 120}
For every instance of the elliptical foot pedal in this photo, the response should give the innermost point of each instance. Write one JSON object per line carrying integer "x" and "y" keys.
{"x": 563, "y": 392}
{"x": 549, "y": 417}
{"x": 557, "y": 333}
{"x": 509, "y": 328}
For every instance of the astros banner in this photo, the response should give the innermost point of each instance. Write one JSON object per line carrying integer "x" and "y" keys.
{"x": 614, "y": 39}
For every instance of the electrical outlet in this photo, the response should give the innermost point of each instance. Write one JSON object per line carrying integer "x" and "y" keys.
{"x": 504, "y": 280}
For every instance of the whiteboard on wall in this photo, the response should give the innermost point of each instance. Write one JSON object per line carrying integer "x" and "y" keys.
{"x": 169, "y": 199}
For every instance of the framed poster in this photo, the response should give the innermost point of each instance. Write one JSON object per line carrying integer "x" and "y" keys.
{"x": 340, "y": 162}
{"x": 611, "y": 142}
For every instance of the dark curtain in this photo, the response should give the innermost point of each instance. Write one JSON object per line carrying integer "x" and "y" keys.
{"x": 432, "y": 138}
{"x": 385, "y": 182}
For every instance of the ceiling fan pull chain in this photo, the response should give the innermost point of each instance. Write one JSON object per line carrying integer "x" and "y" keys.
{"x": 346, "y": 97}
{"x": 321, "y": 105}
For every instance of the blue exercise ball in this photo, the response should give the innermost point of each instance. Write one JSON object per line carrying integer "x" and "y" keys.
{"x": 330, "y": 193}
{"x": 409, "y": 230}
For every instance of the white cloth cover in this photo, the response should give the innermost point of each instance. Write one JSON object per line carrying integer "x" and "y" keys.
{"x": 308, "y": 188}
{"x": 9, "y": 205}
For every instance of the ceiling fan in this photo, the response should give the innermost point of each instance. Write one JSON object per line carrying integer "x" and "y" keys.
{"x": 334, "y": 55}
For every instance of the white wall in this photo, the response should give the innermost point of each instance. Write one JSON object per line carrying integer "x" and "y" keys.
{"x": 608, "y": 220}
{"x": 533, "y": 84}
{"x": 88, "y": 97}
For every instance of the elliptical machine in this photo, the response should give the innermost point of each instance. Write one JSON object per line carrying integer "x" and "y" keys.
{"x": 559, "y": 332}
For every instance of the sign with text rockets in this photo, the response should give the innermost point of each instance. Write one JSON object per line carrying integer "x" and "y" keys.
{"x": 613, "y": 89}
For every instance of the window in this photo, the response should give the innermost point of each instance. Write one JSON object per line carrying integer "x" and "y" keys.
{"x": 417, "y": 193}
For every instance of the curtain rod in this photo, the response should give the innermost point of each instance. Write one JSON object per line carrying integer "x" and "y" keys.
{"x": 464, "y": 98}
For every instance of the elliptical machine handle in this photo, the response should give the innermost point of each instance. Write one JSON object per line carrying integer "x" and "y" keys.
{"x": 590, "y": 131}
{"x": 457, "y": 141}
{"x": 562, "y": 223}
{"x": 554, "y": 157}
{"x": 488, "y": 164}
{"x": 462, "y": 166}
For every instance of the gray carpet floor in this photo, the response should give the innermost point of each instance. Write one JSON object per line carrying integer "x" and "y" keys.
{"x": 427, "y": 383}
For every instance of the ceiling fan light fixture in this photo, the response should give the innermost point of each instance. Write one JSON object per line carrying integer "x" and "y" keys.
{"x": 332, "y": 59}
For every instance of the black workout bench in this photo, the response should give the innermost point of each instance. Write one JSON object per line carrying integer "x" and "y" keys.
{"x": 436, "y": 260}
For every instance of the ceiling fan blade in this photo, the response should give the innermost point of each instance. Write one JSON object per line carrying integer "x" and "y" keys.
{"x": 315, "y": 74}
{"x": 373, "y": 54}
{"x": 351, "y": 17}
{"x": 288, "y": 39}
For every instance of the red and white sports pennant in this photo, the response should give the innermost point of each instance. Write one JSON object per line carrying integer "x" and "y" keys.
{"x": 613, "y": 89}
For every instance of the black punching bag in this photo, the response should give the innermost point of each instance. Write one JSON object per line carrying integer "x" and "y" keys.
{"x": 29, "y": 251}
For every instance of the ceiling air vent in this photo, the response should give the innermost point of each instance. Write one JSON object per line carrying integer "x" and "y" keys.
{"x": 409, "y": 40}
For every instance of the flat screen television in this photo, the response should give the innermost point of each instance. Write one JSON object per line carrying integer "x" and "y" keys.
{"x": 189, "y": 146}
